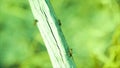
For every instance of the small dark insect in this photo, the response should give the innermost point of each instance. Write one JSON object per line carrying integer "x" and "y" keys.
{"x": 59, "y": 22}
{"x": 35, "y": 22}
{"x": 70, "y": 52}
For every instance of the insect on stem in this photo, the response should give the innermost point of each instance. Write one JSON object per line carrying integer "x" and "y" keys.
{"x": 59, "y": 22}
{"x": 70, "y": 52}
{"x": 35, "y": 22}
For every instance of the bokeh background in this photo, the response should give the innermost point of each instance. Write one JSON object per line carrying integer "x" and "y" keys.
{"x": 91, "y": 28}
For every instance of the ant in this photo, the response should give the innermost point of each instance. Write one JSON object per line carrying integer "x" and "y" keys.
{"x": 59, "y": 22}
{"x": 70, "y": 52}
{"x": 35, "y": 21}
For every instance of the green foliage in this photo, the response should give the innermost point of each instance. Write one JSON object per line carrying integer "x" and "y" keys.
{"x": 91, "y": 28}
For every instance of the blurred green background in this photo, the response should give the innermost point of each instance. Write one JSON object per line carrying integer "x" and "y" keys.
{"x": 91, "y": 28}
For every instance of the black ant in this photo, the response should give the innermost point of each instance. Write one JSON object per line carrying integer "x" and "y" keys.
{"x": 70, "y": 52}
{"x": 59, "y": 22}
{"x": 35, "y": 21}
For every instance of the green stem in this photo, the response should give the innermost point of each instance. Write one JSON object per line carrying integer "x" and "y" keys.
{"x": 51, "y": 33}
